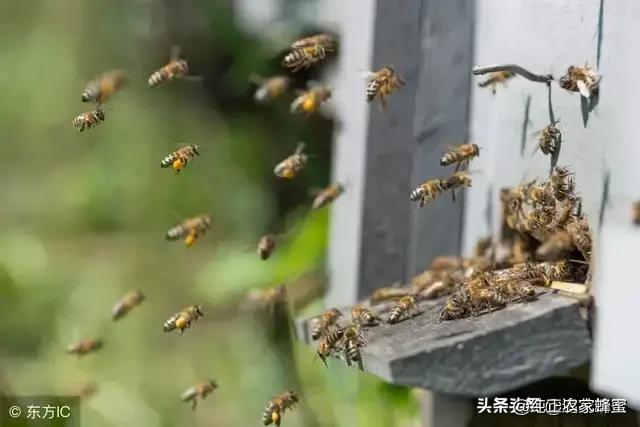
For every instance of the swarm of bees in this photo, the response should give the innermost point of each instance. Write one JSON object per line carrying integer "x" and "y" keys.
{"x": 198, "y": 391}
{"x": 191, "y": 229}
{"x": 583, "y": 79}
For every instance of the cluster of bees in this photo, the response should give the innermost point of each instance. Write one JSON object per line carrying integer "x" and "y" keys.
{"x": 304, "y": 53}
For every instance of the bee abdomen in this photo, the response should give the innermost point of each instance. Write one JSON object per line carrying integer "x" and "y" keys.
{"x": 175, "y": 233}
{"x": 267, "y": 415}
{"x": 372, "y": 90}
{"x": 448, "y": 159}
{"x": 416, "y": 194}
{"x": 158, "y": 77}
{"x": 90, "y": 94}
{"x": 168, "y": 161}
{"x": 395, "y": 314}
{"x": 169, "y": 325}
{"x": 353, "y": 353}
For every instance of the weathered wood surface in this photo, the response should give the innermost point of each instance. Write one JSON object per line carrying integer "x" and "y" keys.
{"x": 482, "y": 356}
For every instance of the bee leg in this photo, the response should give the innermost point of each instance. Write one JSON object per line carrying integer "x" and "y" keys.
{"x": 194, "y": 404}
{"x": 458, "y": 166}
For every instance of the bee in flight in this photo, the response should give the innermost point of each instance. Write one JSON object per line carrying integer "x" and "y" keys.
{"x": 459, "y": 154}
{"x": 176, "y": 68}
{"x": 581, "y": 79}
{"x": 266, "y": 246}
{"x": 308, "y": 51}
{"x": 182, "y": 319}
{"x": 405, "y": 307}
{"x": 178, "y": 159}
{"x": 267, "y": 299}
{"x": 321, "y": 323}
{"x": 309, "y": 101}
{"x": 85, "y": 346}
{"x": 292, "y": 165}
{"x": 270, "y": 88}
{"x": 550, "y": 138}
{"x": 495, "y": 78}
{"x": 126, "y": 303}
{"x": 101, "y": 89}
{"x": 327, "y": 195}
{"x": 190, "y": 230}
{"x": 89, "y": 119}
{"x": 198, "y": 391}
{"x": 383, "y": 83}
{"x": 275, "y": 408}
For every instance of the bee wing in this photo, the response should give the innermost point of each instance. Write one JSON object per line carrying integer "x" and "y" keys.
{"x": 175, "y": 53}
{"x": 366, "y": 74}
{"x": 582, "y": 88}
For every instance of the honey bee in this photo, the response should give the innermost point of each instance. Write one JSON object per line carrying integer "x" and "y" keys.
{"x": 536, "y": 219}
{"x": 179, "y": 158}
{"x": 428, "y": 190}
{"x": 292, "y": 165}
{"x": 266, "y": 246}
{"x": 128, "y": 302}
{"x": 309, "y": 101}
{"x": 268, "y": 299}
{"x": 321, "y": 323}
{"x": 176, "y": 68}
{"x": 555, "y": 246}
{"x": 531, "y": 273}
{"x": 328, "y": 343}
{"x": 461, "y": 153}
{"x": 88, "y": 119}
{"x": 101, "y": 89}
{"x": 383, "y": 83}
{"x": 190, "y": 230}
{"x": 270, "y": 88}
{"x": 305, "y": 57}
{"x": 385, "y": 294}
{"x": 446, "y": 262}
{"x": 581, "y": 79}
{"x": 565, "y": 270}
{"x": 85, "y": 346}
{"x": 276, "y": 407}
{"x": 182, "y": 319}
{"x": 494, "y": 78}
{"x": 198, "y": 391}
{"x": 353, "y": 340}
{"x": 578, "y": 229}
{"x": 327, "y": 195}
{"x": 483, "y": 247}
{"x": 325, "y": 40}
{"x": 363, "y": 316}
{"x": 406, "y": 306}
{"x": 635, "y": 213}
{"x": 550, "y": 138}
{"x": 561, "y": 183}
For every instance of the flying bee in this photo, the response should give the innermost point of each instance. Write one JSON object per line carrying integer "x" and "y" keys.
{"x": 305, "y": 57}
{"x": 353, "y": 340}
{"x": 128, "y": 302}
{"x": 266, "y": 246}
{"x": 325, "y": 40}
{"x": 176, "y": 68}
{"x": 494, "y": 78}
{"x": 309, "y": 101}
{"x": 459, "y": 154}
{"x": 85, "y": 346}
{"x": 328, "y": 343}
{"x": 321, "y": 323}
{"x": 385, "y": 294}
{"x": 276, "y": 407}
{"x": 179, "y": 158}
{"x": 191, "y": 229}
{"x": 382, "y": 84}
{"x": 459, "y": 179}
{"x": 292, "y": 165}
{"x": 88, "y": 119}
{"x": 327, "y": 195}
{"x": 198, "y": 391}
{"x": 267, "y": 299}
{"x": 635, "y": 213}
{"x": 270, "y": 88}
{"x": 581, "y": 79}
{"x": 363, "y": 316}
{"x": 101, "y": 89}
{"x": 428, "y": 190}
{"x": 406, "y": 306}
{"x": 182, "y": 319}
{"x": 550, "y": 138}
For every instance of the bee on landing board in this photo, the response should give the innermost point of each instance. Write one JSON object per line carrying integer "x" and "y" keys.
{"x": 329, "y": 343}
{"x": 292, "y": 165}
{"x": 179, "y": 159}
{"x": 459, "y": 154}
{"x": 269, "y": 88}
{"x": 85, "y": 346}
{"x": 103, "y": 87}
{"x": 309, "y": 101}
{"x": 363, "y": 316}
{"x": 353, "y": 341}
{"x": 176, "y": 68}
{"x": 198, "y": 391}
{"x": 321, "y": 323}
{"x": 406, "y": 307}
{"x": 182, "y": 319}
{"x": 88, "y": 119}
{"x": 581, "y": 79}
{"x": 126, "y": 303}
{"x": 382, "y": 84}
{"x": 327, "y": 195}
{"x": 494, "y": 79}
{"x": 191, "y": 229}
{"x": 276, "y": 407}
{"x": 266, "y": 246}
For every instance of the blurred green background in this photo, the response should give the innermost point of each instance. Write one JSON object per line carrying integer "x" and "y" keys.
{"x": 83, "y": 218}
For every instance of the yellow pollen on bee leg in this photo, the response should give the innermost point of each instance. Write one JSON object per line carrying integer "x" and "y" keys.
{"x": 190, "y": 240}
{"x": 309, "y": 105}
{"x": 288, "y": 174}
{"x": 275, "y": 417}
{"x": 181, "y": 323}
{"x": 177, "y": 165}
